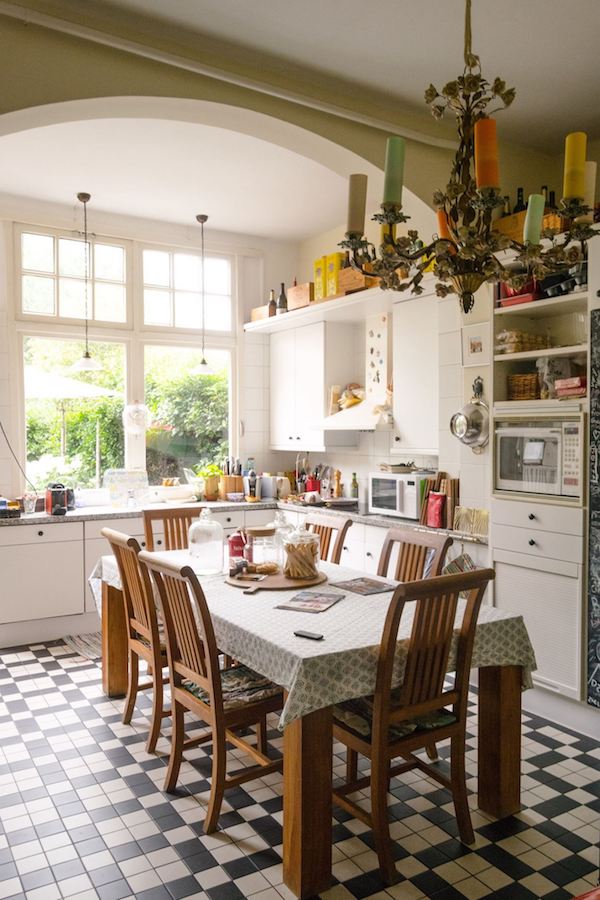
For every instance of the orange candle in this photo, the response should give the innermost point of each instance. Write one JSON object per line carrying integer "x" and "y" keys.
{"x": 443, "y": 229}
{"x": 486, "y": 154}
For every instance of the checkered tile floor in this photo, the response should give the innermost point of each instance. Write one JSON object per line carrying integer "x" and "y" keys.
{"x": 82, "y": 813}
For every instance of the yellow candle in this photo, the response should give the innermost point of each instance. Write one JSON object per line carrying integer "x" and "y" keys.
{"x": 590, "y": 193}
{"x": 357, "y": 198}
{"x": 394, "y": 170}
{"x": 486, "y": 154}
{"x": 574, "y": 175}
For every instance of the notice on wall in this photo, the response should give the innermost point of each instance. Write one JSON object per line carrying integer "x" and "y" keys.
{"x": 593, "y": 646}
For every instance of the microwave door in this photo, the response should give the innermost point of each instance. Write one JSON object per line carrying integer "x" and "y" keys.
{"x": 384, "y": 496}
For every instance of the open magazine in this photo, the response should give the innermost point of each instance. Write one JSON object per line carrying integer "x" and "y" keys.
{"x": 311, "y": 601}
{"x": 365, "y": 586}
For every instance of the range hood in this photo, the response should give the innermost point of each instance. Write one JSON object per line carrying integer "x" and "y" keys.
{"x": 362, "y": 416}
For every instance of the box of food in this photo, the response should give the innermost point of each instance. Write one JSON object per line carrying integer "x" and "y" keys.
{"x": 320, "y": 275}
{"x": 350, "y": 280}
{"x": 300, "y": 295}
{"x": 334, "y": 264}
{"x": 259, "y": 312}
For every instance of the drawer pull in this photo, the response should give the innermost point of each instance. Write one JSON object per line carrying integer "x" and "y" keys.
{"x": 345, "y": 548}
{"x": 143, "y": 544}
{"x": 40, "y": 534}
{"x": 290, "y": 438}
{"x": 159, "y": 543}
{"x": 531, "y": 517}
{"x": 228, "y": 519}
{"x": 369, "y": 555}
{"x": 531, "y": 542}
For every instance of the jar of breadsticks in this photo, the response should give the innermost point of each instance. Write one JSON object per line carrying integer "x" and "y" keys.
{"x": 302, "y": 552}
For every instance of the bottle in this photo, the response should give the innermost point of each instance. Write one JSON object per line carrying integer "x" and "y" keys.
{"x": 354, "y": 487}
{"x": 282, "y": 301}
{"x": 205, "y": 540}
{"x": 544, "y": 193}
{"x": 252, "y": 483}
{"x": 552, "y": 200}
{"x": 506, "y": 210}
{"x": 346, "y": 262}
{"x": 272, "y": 303}
{"x": 520, "y": 205}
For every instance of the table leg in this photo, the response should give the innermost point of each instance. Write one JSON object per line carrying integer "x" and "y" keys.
{"x": 114, "y": 642}
{"x": 307, "y": 783}
{"x": 499, "y": 763}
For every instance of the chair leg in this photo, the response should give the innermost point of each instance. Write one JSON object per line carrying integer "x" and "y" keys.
{"x": 431, "y": 750}
{"x": 261, "y": 735}
{"x": 459, "y": 789}
{"x": 176, "y": 747}
{"x": 157, "y": 711}
{"x": 381, "y": 824}
{"x": 351, "y": 765}
{"x": 132, "y": 687}
{"x": 217, "y": 786}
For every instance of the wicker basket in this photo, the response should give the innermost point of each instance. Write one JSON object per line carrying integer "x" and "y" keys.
{"x": 523, "y": 387}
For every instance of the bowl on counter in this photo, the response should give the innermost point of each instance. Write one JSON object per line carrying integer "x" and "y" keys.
{"x": 235, "y": 496}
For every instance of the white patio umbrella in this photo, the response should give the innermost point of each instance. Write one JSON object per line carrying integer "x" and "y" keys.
{"x": 41, "y": 385}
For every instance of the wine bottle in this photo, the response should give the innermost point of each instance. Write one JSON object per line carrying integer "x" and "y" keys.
{"x": 520, "y": 205}
{"x": 552, "y": 200}
{"x": 544, "y": 193}
{"x": 354, "y": 486}
{"x": 282, "y": 306}
{"x": 506, "y": 209}
{"x": 272, "y": 303}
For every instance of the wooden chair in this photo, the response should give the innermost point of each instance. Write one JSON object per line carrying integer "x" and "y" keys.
{"x": 224, "y": 699}
{"x": 326, "y": 527}
{"x": 176, "y": 522}
{"x": 420, "y": 554}
{"x": 143, "y": 633}
{"x": 395, "y": 722}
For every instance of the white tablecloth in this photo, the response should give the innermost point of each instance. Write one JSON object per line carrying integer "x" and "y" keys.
{"x": 341, "y": 666}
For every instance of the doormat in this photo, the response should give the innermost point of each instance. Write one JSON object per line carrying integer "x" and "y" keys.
{"x": 87, "y": 645}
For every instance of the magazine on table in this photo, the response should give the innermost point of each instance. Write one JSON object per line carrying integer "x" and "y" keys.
{"x": 311, "y": 601}
{"x": 364, "y": 586}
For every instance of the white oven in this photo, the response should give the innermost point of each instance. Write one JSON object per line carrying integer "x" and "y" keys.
{"x": 395, "y": 494}
{"x": 540, "y": 456}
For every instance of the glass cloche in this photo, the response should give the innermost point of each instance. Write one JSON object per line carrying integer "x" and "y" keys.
{"x": 205, "y": 540}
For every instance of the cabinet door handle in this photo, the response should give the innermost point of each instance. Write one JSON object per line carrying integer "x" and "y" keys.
{"x": 345, "y": 548}
{"x": 369, "y": 555}
{"x": 143, "y": 544}
{"x": 531, "y": 542}
{"x": 290, "y": 438}
{"x": 228, "y": 519}
{"x": 298, "y": 438}
{"x": 397, "y": 439}
{"x": 159, "y": 543}
{"x": 40, "y": 533}
{"x": 531, "y": 516}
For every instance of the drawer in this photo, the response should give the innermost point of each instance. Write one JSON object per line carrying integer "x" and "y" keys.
{"x": 134, "y": 526}
{"x": 534, "y": 542}
{"x": 258, "y": 516}
{"x": 542, "y": 516}
{"x": 55, "y": 532}
{"x": 230, "y": 518}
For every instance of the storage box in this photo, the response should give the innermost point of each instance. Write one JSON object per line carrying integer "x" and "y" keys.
{"x": 320, "y": 273}
{"x": 512, "y": 226}
{"x": 350, "y": 280}
{"x": 334, "y": 264}
{"x": 300, "y": 295}
{"x": 259, "y": 312}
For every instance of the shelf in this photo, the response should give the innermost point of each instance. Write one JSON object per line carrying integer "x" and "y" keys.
{"x": 546, "y": 351}
{"x": 573, "y": 404}
{"x": 546, "y": 309}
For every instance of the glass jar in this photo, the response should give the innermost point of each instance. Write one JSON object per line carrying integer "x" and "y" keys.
{"x": 205, "y": 540}
{"x": 302, "y": 552}
{"x": 282, "y": 528}
{"x": 263, "y": 547}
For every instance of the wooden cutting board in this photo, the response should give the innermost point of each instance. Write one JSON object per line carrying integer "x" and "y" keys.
{"x": 277, "y": 582}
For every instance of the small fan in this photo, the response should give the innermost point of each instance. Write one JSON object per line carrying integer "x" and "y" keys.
{"x": 135, "y": 418}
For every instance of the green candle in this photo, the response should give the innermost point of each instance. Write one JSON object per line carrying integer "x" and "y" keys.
{"x": 394, "y": 170}
{"x": 533, "y": 219}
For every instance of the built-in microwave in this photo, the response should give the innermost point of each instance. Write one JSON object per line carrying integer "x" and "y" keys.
{"x": 540, "y": 456}
{"x": 395, "y": 494}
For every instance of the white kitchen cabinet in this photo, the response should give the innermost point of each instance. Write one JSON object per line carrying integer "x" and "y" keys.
{"x": 415, "y": 366}
{"x": 42, "y": 570}
{"x": 305, "y": 363}
{"x": 353, "y": 549}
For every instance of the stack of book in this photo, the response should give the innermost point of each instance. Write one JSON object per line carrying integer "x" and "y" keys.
{"x": 569, "y": 388}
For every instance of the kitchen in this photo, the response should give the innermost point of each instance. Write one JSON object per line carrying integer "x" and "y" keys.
{"x": 280, "y": 440}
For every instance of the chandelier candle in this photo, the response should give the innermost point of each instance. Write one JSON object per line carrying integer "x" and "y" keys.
{"x": 486, "y": 154}
{"x": 590, "y": 193}
{"x": 357, "y": 199}
{"x": 533, "y": 218}
{"x": 394, "y": 171}
{"x": 574, "y": 175}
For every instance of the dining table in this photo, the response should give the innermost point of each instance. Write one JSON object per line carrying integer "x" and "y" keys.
{"x": 317, "y": 674}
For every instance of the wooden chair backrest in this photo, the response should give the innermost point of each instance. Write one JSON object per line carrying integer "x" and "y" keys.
{"x": 191, "y": 646}
{"x": 137, "y": 588}
{"x": 176, "y": 522}
{"x": 435, "y": 603}
{"x": 420, "y": 554}
{"x": 332, "y": 531}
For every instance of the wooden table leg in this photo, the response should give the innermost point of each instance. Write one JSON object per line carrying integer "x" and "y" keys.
{"x": 114, "y": 642}
{"x": 499, "y": 751}
{"x": 307, "y": 783}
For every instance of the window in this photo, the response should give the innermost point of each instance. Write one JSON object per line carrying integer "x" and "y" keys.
{"x": 173, "y": 290}
{"x": 189, "y": 413}
{"x": 53, "y": 278}
{"x": 73, "y": 419}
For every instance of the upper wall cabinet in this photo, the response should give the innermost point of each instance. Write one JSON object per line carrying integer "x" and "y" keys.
{"x": 305, "y": 362}
{"x": 416, "y": 391}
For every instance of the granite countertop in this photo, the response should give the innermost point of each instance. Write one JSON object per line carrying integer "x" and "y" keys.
{"x": 99, "y": 513}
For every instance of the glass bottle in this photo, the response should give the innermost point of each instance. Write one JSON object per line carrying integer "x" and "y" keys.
{"x": 506, "y": 210}
{"x": 354, "y": 487}
{"x": 552, "y": 200}
{"x": 520, "y": 204}
{"x": 544, "y": 193}
{"x": 272, "y": 303}
{"x": 282, "y": 306}
{"x": 205, "y": 539}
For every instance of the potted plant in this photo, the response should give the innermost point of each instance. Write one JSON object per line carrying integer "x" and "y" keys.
{"x": 211, "y": 474}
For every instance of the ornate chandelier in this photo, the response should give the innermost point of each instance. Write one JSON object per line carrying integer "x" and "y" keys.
{"x": 464, "y": 253}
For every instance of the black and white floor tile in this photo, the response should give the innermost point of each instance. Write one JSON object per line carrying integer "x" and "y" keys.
{"x": 83, "y": 815}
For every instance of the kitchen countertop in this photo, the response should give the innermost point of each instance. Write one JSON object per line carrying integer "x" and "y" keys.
{"x": 98, "y": 513}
